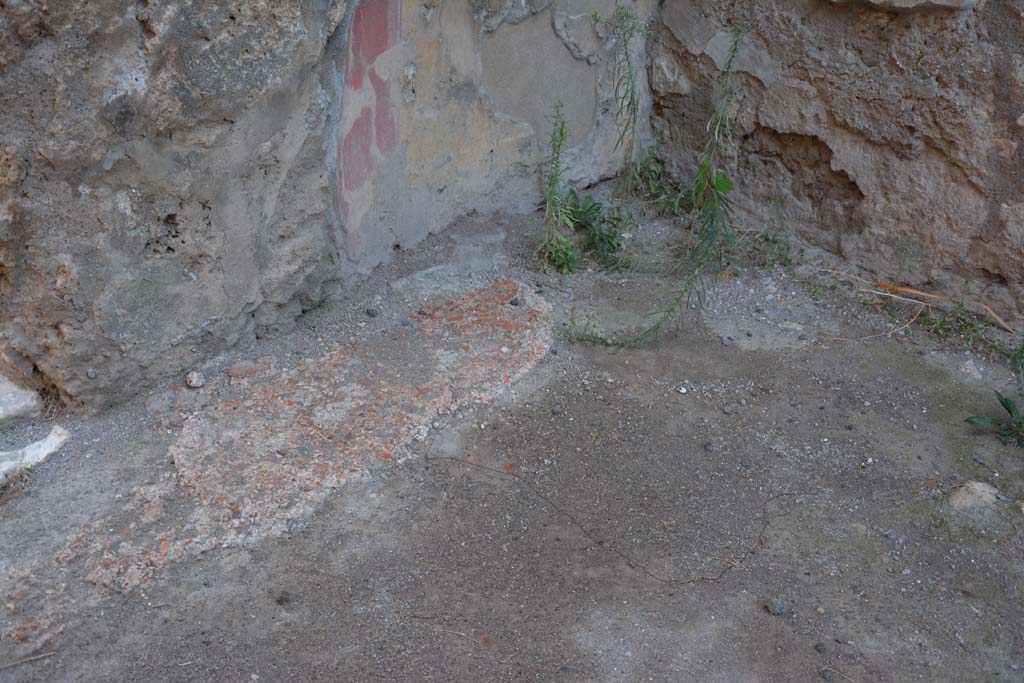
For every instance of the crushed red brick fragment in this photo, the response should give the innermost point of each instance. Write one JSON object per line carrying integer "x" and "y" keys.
{"x": 256, "y": 464}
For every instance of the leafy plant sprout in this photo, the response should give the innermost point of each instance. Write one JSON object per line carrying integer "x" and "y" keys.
{"x": 711, "y": 209}
{"x": 623, "y": 26}
{"x": 557, "y": 213}
{"x": 1010, "y": 430}
{"x": 563, "y": 254}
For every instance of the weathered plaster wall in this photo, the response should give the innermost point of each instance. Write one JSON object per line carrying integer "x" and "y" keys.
{"x": 178, "y": 176}
{"x": 892, "y": 138}
{"x": 447, "y": 105}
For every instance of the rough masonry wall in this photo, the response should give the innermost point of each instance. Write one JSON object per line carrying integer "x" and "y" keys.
{"x": 163, "y": 190}
{"x": 892, "y": 138}
{"x": 176, "y": 176}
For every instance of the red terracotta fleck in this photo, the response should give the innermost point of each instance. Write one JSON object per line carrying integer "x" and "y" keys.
{"x": 226, "y": 468}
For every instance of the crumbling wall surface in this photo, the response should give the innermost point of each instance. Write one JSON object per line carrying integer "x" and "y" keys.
{"x": 448, "y": 104}
{"x": 176, "y": 176}
{"x": 888, "y": 132}
{"x": 163, "y": 187}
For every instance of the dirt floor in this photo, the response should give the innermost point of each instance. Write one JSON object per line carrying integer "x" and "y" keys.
{"x": 774, "y": 492}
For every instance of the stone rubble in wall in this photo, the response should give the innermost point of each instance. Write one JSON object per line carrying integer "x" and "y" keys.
{"x": 881, "y": 134}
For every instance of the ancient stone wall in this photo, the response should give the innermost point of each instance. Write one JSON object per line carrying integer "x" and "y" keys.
{"x": 177, "y": 176}
{"x": 888, "y": 132}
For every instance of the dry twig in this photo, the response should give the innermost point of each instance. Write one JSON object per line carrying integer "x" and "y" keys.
{"x": 27, "y": 660}
{"x": 894, "y": 290}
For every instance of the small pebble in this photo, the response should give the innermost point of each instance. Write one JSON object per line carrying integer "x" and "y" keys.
{"x": 372, "y": 312}
{"x": 776, "y": 607}
{"x": 827, "y": 674}
{"x": 727, "y": 409}
{"x": 514, "y": 301}
{"x": 820, "y": 648}
{"x": 195, "y": 379}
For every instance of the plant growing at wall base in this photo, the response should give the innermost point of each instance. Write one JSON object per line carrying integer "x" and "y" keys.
{"x": 647, "y": 180}
{"x": 1015, "y": 359}
{"x": 603, "y": 241}
{"x": 584, "y": 212}
{"x": 563, "y": 255}
{"x": 1010, "y": 430}
{"x": 623, "y": 26}
{"x": 711, "y": 209}
{"x": 557, "y": 212}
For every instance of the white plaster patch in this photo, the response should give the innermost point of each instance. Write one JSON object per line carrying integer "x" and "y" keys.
{"x": 13, "y": 462}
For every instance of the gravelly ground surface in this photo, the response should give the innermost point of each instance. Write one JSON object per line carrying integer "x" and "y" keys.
{"x": 786, "y": 518}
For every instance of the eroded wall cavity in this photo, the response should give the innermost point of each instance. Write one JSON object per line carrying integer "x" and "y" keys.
{"x": 888, "y": 132}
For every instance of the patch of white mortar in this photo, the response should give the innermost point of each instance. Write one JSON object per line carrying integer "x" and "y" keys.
{"x": 764, "y": 314}
{"x": 473, "y": 254}
{"x": 13, "y": 462}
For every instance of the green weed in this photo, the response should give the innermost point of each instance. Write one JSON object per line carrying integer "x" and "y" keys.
{"x": 1015, "y": 359}
{"x": 568, "y": 210}
{"x": 563, "y": 255}
{"x": 706, "y": 205}
{"x": 958, "y": 323}
{"x": 711, "y": 210}
{"x": 584, "y": 212}
{"x": 624, "y": 26}
{"x": 1010, "y": 430}
{"x": 603, "y": 242}
{"x": 557, "y": 213}
{"x": 647, "y": 180}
